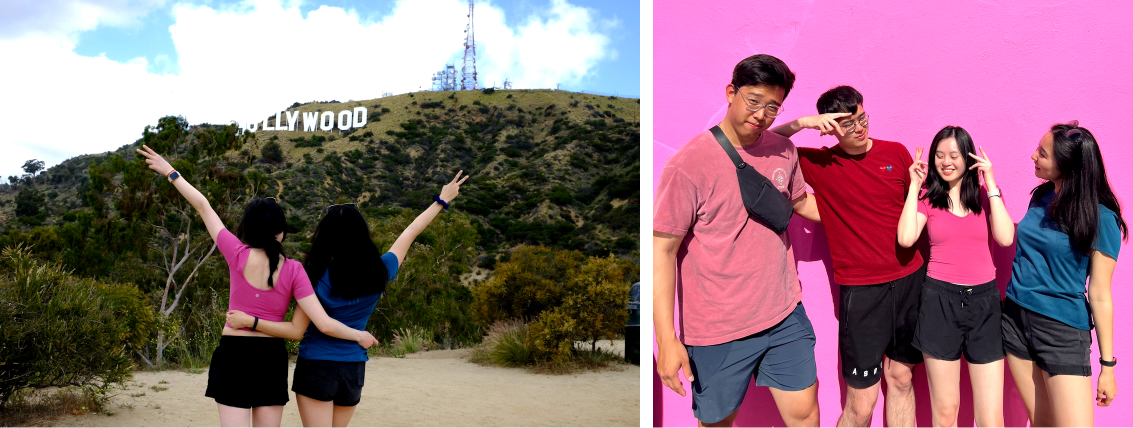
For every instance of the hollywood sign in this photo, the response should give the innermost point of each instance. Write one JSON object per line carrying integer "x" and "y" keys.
{"x": 312, "y": 121}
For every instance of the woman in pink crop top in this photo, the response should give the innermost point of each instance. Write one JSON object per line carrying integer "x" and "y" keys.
{"x": 960, "y": 307}
{"x": 248, "y": 371}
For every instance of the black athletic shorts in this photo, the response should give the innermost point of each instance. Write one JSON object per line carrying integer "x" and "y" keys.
{"x": 248, "y": 372}
{"x": 877, "y": 321}
{"x": 1053, "y": 345}
{"x": 325, "y": 380}
{"x": 957, "y": 319}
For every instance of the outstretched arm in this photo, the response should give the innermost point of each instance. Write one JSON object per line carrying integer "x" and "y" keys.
{"x": 191, "y": 194}
{"x": 293, "y": 329}
{"x": 825, "y": 123}
{"x": 448, "y": 193}
{"x": 332, "y": 327}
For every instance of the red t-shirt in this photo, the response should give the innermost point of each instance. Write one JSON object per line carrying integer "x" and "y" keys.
{"x": 735, "y": 277}
{"x": 860, "y": 198}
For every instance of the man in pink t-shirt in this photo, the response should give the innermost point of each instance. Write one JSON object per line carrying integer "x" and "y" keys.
{"x": 741, "y": 312}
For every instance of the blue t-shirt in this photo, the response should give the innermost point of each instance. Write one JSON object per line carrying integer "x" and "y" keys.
{"x": 355, "y": 313}
{"x": 1048, "y": 275}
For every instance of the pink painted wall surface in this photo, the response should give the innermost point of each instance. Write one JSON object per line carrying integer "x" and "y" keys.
{"x": 1004, "y": 70}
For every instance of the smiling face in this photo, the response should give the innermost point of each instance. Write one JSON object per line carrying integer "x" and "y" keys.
{"x": 747, "y": 124}
{"x": 1045, "y": 167}
{"x": 949, "y": 162}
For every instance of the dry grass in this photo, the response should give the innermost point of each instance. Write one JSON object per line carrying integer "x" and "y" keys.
{"x": 42, "y": 407}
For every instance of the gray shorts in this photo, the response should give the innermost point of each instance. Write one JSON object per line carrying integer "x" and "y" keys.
{"x": 1054, "y": 346}
{"x": 781, "y": 357}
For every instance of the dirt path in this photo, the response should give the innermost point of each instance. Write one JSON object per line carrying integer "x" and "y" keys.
{"x": 437, "y": 388}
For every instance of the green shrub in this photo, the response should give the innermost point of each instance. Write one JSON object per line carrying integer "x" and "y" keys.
{"x": 507, "y": 344}
{"x": 59, "y": 330}
{"x": 272, "y": 152}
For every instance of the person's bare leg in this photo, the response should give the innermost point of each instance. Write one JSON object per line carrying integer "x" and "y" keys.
{"x": 315, "y": 413}
{"x": 342, "y": 415}
{"x": 1044, "y": 413}
{"x": 1072, "y": 397}
{"x": 234, "y": 416}
{"x": 900, "y": 401}
{"x": 987, "y": 393}
{"x": 1021, "y": 371}
{"x": 267, "y": 416}
{"x": 943, "y": 390}
{"x": 798, "y": 408}
{"x": 726, "y": 422}
{"x": 859, "y": 406}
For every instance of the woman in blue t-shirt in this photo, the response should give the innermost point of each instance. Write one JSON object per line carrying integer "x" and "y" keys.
{"x": 1072, "y": 230}
{"x": 349, "y": 274}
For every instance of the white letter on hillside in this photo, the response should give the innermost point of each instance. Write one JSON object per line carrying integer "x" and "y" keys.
{"x": 278, "y": 120}
{"x": 310, "y": 121}
{"x": 292, "y": 116}
{"x": 326, "y": 122}
{"x": 251, "y": 127}
{"x": 359, "y": 121}
{"x": 266, "y": 127}
{"x": 345, "y": 120}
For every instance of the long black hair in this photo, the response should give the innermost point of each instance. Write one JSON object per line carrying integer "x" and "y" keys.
{"x": 937, "y": 189}
{"x": 263, "y": 219}
{"x": 342, "y": 244}
{"x": 1083, "y": 187}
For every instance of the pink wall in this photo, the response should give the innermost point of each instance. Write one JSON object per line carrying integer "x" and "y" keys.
{"x": 1004, "y": 70}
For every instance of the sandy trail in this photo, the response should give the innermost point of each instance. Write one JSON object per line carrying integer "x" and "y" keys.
{"x": 436, "y": 388}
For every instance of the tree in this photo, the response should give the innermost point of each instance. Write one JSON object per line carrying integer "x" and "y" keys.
{"x": 29, "y": 202}
{"x": 33, "y": 166}
{"x": 272, "y": 152}
{"x": 171, "y": 265}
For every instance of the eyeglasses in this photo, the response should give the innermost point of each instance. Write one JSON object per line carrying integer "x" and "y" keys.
{"x": 851, "y": 125}
{"x": 1074, "y": 134}
{"x": 772, "y": 110}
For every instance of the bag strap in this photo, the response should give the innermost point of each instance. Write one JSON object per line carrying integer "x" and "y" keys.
{"x": 728, "y": 148}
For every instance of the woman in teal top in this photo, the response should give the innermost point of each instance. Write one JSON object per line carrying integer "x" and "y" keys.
{"x": 350, "y": 276}
{"x": 1072, "y": 230}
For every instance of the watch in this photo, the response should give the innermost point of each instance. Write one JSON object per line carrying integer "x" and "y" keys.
{"x": 173, "y": 176}
{"x": 1108, "y": 363}
{"x": 994, "y": 193}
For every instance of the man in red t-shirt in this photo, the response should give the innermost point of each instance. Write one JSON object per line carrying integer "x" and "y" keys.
{"x": 861, "y": 184}
{"x": 741, "y": 313}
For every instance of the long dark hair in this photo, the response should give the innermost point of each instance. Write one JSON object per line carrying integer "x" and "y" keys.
{"x": 342, "y": 244}
{"x": 1083, "y": 187}
{"x": 937, "y": 188}
{"x": 263, "y": 219}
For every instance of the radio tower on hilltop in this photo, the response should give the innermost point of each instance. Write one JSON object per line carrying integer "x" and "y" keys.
{"x": 468, "y": 71}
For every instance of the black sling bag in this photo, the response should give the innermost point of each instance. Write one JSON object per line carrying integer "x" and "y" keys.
{"x": 762, "y": 200}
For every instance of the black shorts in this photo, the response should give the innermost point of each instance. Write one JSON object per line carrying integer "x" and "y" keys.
{"x": 1054, "y": 346}
{"x": 248, "y": 372}
{"x": 957, "y": 319}
{"x": 876, "y": 321}
{"x": 324, "y": 380}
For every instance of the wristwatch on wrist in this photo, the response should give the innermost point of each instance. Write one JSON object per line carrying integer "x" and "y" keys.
{"x": 1108, "y": 363}
{"x": 994, "y": 193}
{"x": 173, "y": 175}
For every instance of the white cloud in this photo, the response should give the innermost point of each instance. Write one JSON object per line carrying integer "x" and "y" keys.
{"x": 54, "y": 17}
{"x": 245, "y": 62}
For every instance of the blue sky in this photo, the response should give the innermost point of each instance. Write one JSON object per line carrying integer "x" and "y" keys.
{"x": 133, "y": 61}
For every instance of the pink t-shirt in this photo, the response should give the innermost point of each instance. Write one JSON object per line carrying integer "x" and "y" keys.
{"x": 269, "y": 305}
{"x": 735, "y": 277}
{"x": 960, "y": 250}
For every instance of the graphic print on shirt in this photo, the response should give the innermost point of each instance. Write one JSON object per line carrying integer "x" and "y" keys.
{"x": 779, "y": 177}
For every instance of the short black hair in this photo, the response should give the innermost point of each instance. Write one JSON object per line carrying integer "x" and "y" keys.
{"x": 763, "y": 69}
{"x": 841, "y": 99}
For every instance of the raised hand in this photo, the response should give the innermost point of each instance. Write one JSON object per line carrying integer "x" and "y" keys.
{"x": 826, "y": 124}
{"x": 450, "y": 190}
{"x": 918, "y": 171}
{"x": 983, "y": 163}
{"x": 239, "y": 319}
{"x": 155, "y": 161}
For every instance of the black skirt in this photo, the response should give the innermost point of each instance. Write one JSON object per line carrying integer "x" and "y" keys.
{"x": 248, "y": 372}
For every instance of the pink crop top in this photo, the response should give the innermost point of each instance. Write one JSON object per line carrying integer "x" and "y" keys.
{"x": 269, "y": 305}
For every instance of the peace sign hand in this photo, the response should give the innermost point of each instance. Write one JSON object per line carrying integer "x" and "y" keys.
{"x": 984, "y": 165}
{"x": 155, "y": 161}
{"x": 450, "y": 190}
{"x": 918, "y": 171}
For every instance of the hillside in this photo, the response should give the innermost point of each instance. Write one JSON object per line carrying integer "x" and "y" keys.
{"x": 547, "y": 167}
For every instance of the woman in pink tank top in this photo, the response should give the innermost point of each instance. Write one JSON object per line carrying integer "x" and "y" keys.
{"x": 248, "y": 371}
{"x": 960, "y": 307}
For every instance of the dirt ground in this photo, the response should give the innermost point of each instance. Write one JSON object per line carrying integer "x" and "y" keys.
{"x": 435, "y": 388}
